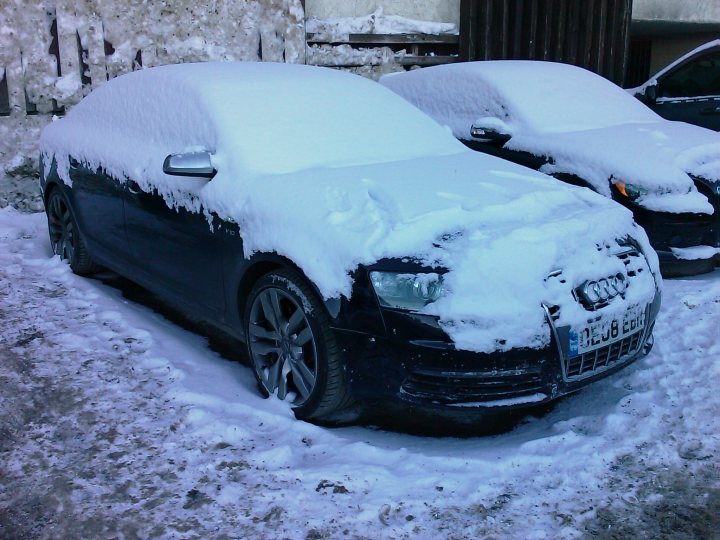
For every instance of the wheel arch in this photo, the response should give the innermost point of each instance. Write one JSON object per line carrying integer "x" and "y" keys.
{"x": 261, "y": 264}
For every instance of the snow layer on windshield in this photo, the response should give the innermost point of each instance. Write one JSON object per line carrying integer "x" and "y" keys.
{"x": 587, "y": 125}
{"x": 498, "y": 228}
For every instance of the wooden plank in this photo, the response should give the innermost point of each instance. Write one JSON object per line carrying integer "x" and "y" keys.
{"x": 94, "y": 41}
{"x": 545, "y": 29}
{"x": 505, "y": 26}
{"x": 620, "y": 41}
{"x": 532, "y": 26}
{"x": 597, "y": 67}
{"x": 587, "y": 34}
{"x": 572, "y": 33}
{"x": 468, "y": 40}
{"x": 4, "y": 94}
{"x": 515, "y": 14}
{"x": 425, "y": 61}
{"x": 559, "y": 52}
{"x": 15, "y": 84}
{"x": 295, "y": 36}
{"x": 388, "y": 39}
{"x": 67, "y": 45}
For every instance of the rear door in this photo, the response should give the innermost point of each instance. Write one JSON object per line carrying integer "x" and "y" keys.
{"x": 691, "y": 92}
{"x": 98, "y": 202}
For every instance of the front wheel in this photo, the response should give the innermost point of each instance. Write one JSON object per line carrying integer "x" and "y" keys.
{"x": 292, "y": 350}
{"x": 65, "y": 237}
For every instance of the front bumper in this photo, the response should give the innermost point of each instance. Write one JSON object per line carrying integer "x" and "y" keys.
{"x": 431, "y": 373}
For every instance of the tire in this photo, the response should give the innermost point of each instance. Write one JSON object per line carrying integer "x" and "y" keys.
{"x": 292, "y": 350}
{"x": 65, "y": 237}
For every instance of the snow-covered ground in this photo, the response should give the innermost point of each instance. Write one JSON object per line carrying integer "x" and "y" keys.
{"x": 116, "y": 422}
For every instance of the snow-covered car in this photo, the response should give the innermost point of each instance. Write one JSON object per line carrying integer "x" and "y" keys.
{"x": 688, "y": 89}
{"x": 581, "y": 128}
{"x": 362, "y": 253}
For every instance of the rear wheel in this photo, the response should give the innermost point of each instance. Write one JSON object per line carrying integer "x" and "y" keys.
{"x": 65, "y": 237}
{"x": 292, "y": 350}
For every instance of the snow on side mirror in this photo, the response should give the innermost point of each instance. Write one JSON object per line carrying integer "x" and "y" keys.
{"x": 483, "y": 134}
{"x": 651, "y": 93}
{"x": 197, "y": 164}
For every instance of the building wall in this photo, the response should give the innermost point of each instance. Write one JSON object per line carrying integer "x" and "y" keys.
{"x": 424, "y": 10}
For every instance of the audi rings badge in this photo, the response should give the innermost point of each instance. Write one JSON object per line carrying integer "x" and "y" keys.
{"x": 604, "y": 289}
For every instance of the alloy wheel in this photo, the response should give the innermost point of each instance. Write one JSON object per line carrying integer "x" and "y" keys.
{"x": 282, "y": 345}
{"x": 62, "y": 230}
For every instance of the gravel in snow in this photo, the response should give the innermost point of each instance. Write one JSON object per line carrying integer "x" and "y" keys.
{"x": 117, "y": 423}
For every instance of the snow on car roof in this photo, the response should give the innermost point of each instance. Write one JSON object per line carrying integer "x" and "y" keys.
{"x": 590, "y": 127}
{"x": 247, "y": 106}
{"x": 526, "y": 95}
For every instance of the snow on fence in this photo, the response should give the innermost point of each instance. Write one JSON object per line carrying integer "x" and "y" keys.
{"x": 55, "y": 51}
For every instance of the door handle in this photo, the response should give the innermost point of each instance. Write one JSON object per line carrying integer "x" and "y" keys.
{"x": 133, "y": 187}
{"x": 710, "y": 111}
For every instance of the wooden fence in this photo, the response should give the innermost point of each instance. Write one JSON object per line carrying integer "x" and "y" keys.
{"x": 588, "y": 33}
{"x": 59, "y": 50}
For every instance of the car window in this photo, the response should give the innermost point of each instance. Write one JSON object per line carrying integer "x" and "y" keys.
{"x": 700, "y": 77}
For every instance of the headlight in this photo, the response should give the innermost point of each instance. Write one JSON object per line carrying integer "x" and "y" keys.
{"x": 407, "y": 291}
{"x": 631, "y": 191}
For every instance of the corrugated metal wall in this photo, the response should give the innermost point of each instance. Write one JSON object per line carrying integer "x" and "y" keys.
{"x": 588, "y": 33}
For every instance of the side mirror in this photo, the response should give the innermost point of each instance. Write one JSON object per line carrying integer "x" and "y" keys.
{"x": 489, "y": 135}
{"x": 651, "y": 93}
{"x": 196, "y": 164}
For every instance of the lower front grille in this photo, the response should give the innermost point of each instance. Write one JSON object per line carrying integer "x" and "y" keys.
{"x": 472, "y": 386}
{"x": 592, "y": 362}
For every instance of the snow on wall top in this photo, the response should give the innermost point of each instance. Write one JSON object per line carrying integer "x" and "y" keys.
{"x": 591, "y": 127}
{"x": 338, "y": 29}
{"x": 332, "y": 171}
{"x": 677, "y": 10}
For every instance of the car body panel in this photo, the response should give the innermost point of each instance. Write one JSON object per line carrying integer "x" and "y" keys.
{"x": 687, "y": 90}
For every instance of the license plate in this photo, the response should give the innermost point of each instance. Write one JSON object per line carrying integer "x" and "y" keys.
{"x": 601, "y": 333}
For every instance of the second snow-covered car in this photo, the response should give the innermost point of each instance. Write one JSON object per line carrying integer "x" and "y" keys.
{"x": 360, "y": 250}
{"x": 582, "y": 129}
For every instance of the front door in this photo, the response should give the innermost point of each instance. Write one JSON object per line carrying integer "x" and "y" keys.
{"x": 176, "y": 253}
{"x": 691, "y": 92}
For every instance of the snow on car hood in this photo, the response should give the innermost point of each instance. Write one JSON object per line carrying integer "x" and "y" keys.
{"x": 587, "y": 125}
{"x": 498, "y": 228}
{"x": 657, "y": 156}
{"x": 307, "y": 176}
